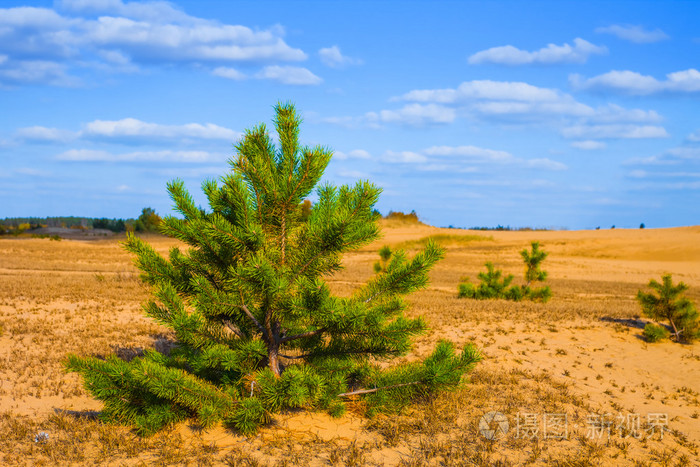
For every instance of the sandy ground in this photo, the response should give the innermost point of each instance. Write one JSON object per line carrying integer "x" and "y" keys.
{"x": 581, "y": 354}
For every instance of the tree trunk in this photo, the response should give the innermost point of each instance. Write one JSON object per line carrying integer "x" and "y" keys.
{"x": 273, "y": 359}
{"x": 675, "y": 330}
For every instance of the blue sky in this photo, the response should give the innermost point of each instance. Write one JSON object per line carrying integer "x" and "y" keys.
{"x": 546, "y": 114}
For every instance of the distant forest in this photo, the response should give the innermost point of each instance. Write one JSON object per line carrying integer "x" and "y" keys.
{"x": 147, "y": 222}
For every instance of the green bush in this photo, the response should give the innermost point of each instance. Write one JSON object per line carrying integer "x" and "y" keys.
{"x": 668, "y": 304}
{"x": 655, "y": 333}
{"x": 493, "y": 284}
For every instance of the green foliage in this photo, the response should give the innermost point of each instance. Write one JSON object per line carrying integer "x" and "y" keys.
{"x": 115, "y": 225}
{"x": 442, "y": 239}
{"x": 493, "y": 284}
{"x": 533, "y": 259}
{"x": 384, "y": 257}
{"x": 148, "y": 221}
{"x": 539, "y": 294}
{"x": 257, "y": 328}
{"x": 654, "y": 333}
{"x": 411, "y": 381}
{"x": 668, "y": 304}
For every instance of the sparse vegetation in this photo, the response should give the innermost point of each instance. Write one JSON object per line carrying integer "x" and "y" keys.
{"x": 654, "y": 333}
{"x": 668, "y": 304}
{"x": 84, "y": 298}
{"x": 384, "y": 257}
{"x": 494, "y": 284}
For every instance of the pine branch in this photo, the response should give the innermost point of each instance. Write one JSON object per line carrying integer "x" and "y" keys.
{"x": 255, "y": 321}
{"x": 303, "y": 334}
{"x": 368, "y": 391}
{"x": 233, "y": 329}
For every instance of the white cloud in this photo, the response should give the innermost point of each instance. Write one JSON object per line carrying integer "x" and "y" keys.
{"x": 33, "y": 172}
{"x": 646, "y": 174}
{"x": 130, "y": 128}
{"x": 510, "y": 55}
{"x": 154, "y": 11}
{"x": 695, "y": 136}
{"x": 546, "y": 164}
{"x": 229, "y": 73}
{"x": 631, "y": 82}
{"x": 355, "y": 174}
{"x": 403, "y": 157}
{"x": 44, "y": 134}
{"x": 31, "y": 17}
{"x": 354, "y": 154}
{"x": 632, "y": 33}
{"x": 414, "y": 115}
{"x": 471, "y": 153}
{"x": 88, "y": 155}
{"x": 15, "y": 72}
{"x": 118, "y": 33}
{"x": 613, "y": 113}
{"x": 477, "y": 155}
{"x": 484, "y": 89}
{"x": 114, "y": 56}
{"x": 332, "y": 57}
{"x": 589, "y": 145}
{"x": 502, "y": 99}
{"x": 298, "y": 76}
{"x": 345, "y": 122}
{"x": 614, "y": 131}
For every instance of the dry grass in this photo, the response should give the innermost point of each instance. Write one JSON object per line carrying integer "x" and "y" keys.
{"x": 579, "y": 355}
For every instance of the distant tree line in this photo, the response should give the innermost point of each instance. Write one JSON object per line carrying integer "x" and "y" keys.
{"x": 500, "y": 227}
{"x": 148, "y": 221}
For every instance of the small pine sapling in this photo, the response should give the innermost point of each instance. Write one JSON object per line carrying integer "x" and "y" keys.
{"x": 384, "y": 257}
{"x": 668, "y": 304}
{"x": 533, "y": 259}
{"x": 257, "y": 328}
{"x": 493, "y": 285}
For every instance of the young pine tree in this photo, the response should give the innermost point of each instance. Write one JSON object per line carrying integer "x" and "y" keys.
{"x": 384, "y": 257}
{"x": 493, "y": 284}
{"x": 533, "y": 273}
{"x": 257, "y": 328}
{"x": 670, "y": 305}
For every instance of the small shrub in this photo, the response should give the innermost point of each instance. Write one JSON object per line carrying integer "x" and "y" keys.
{"x": 384, "y": 255}
{"x": 654, "y": 333}
{"x": 541, "y": 294}
{"x": 495, "y": 285}
{"x": 670, "y": 305}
